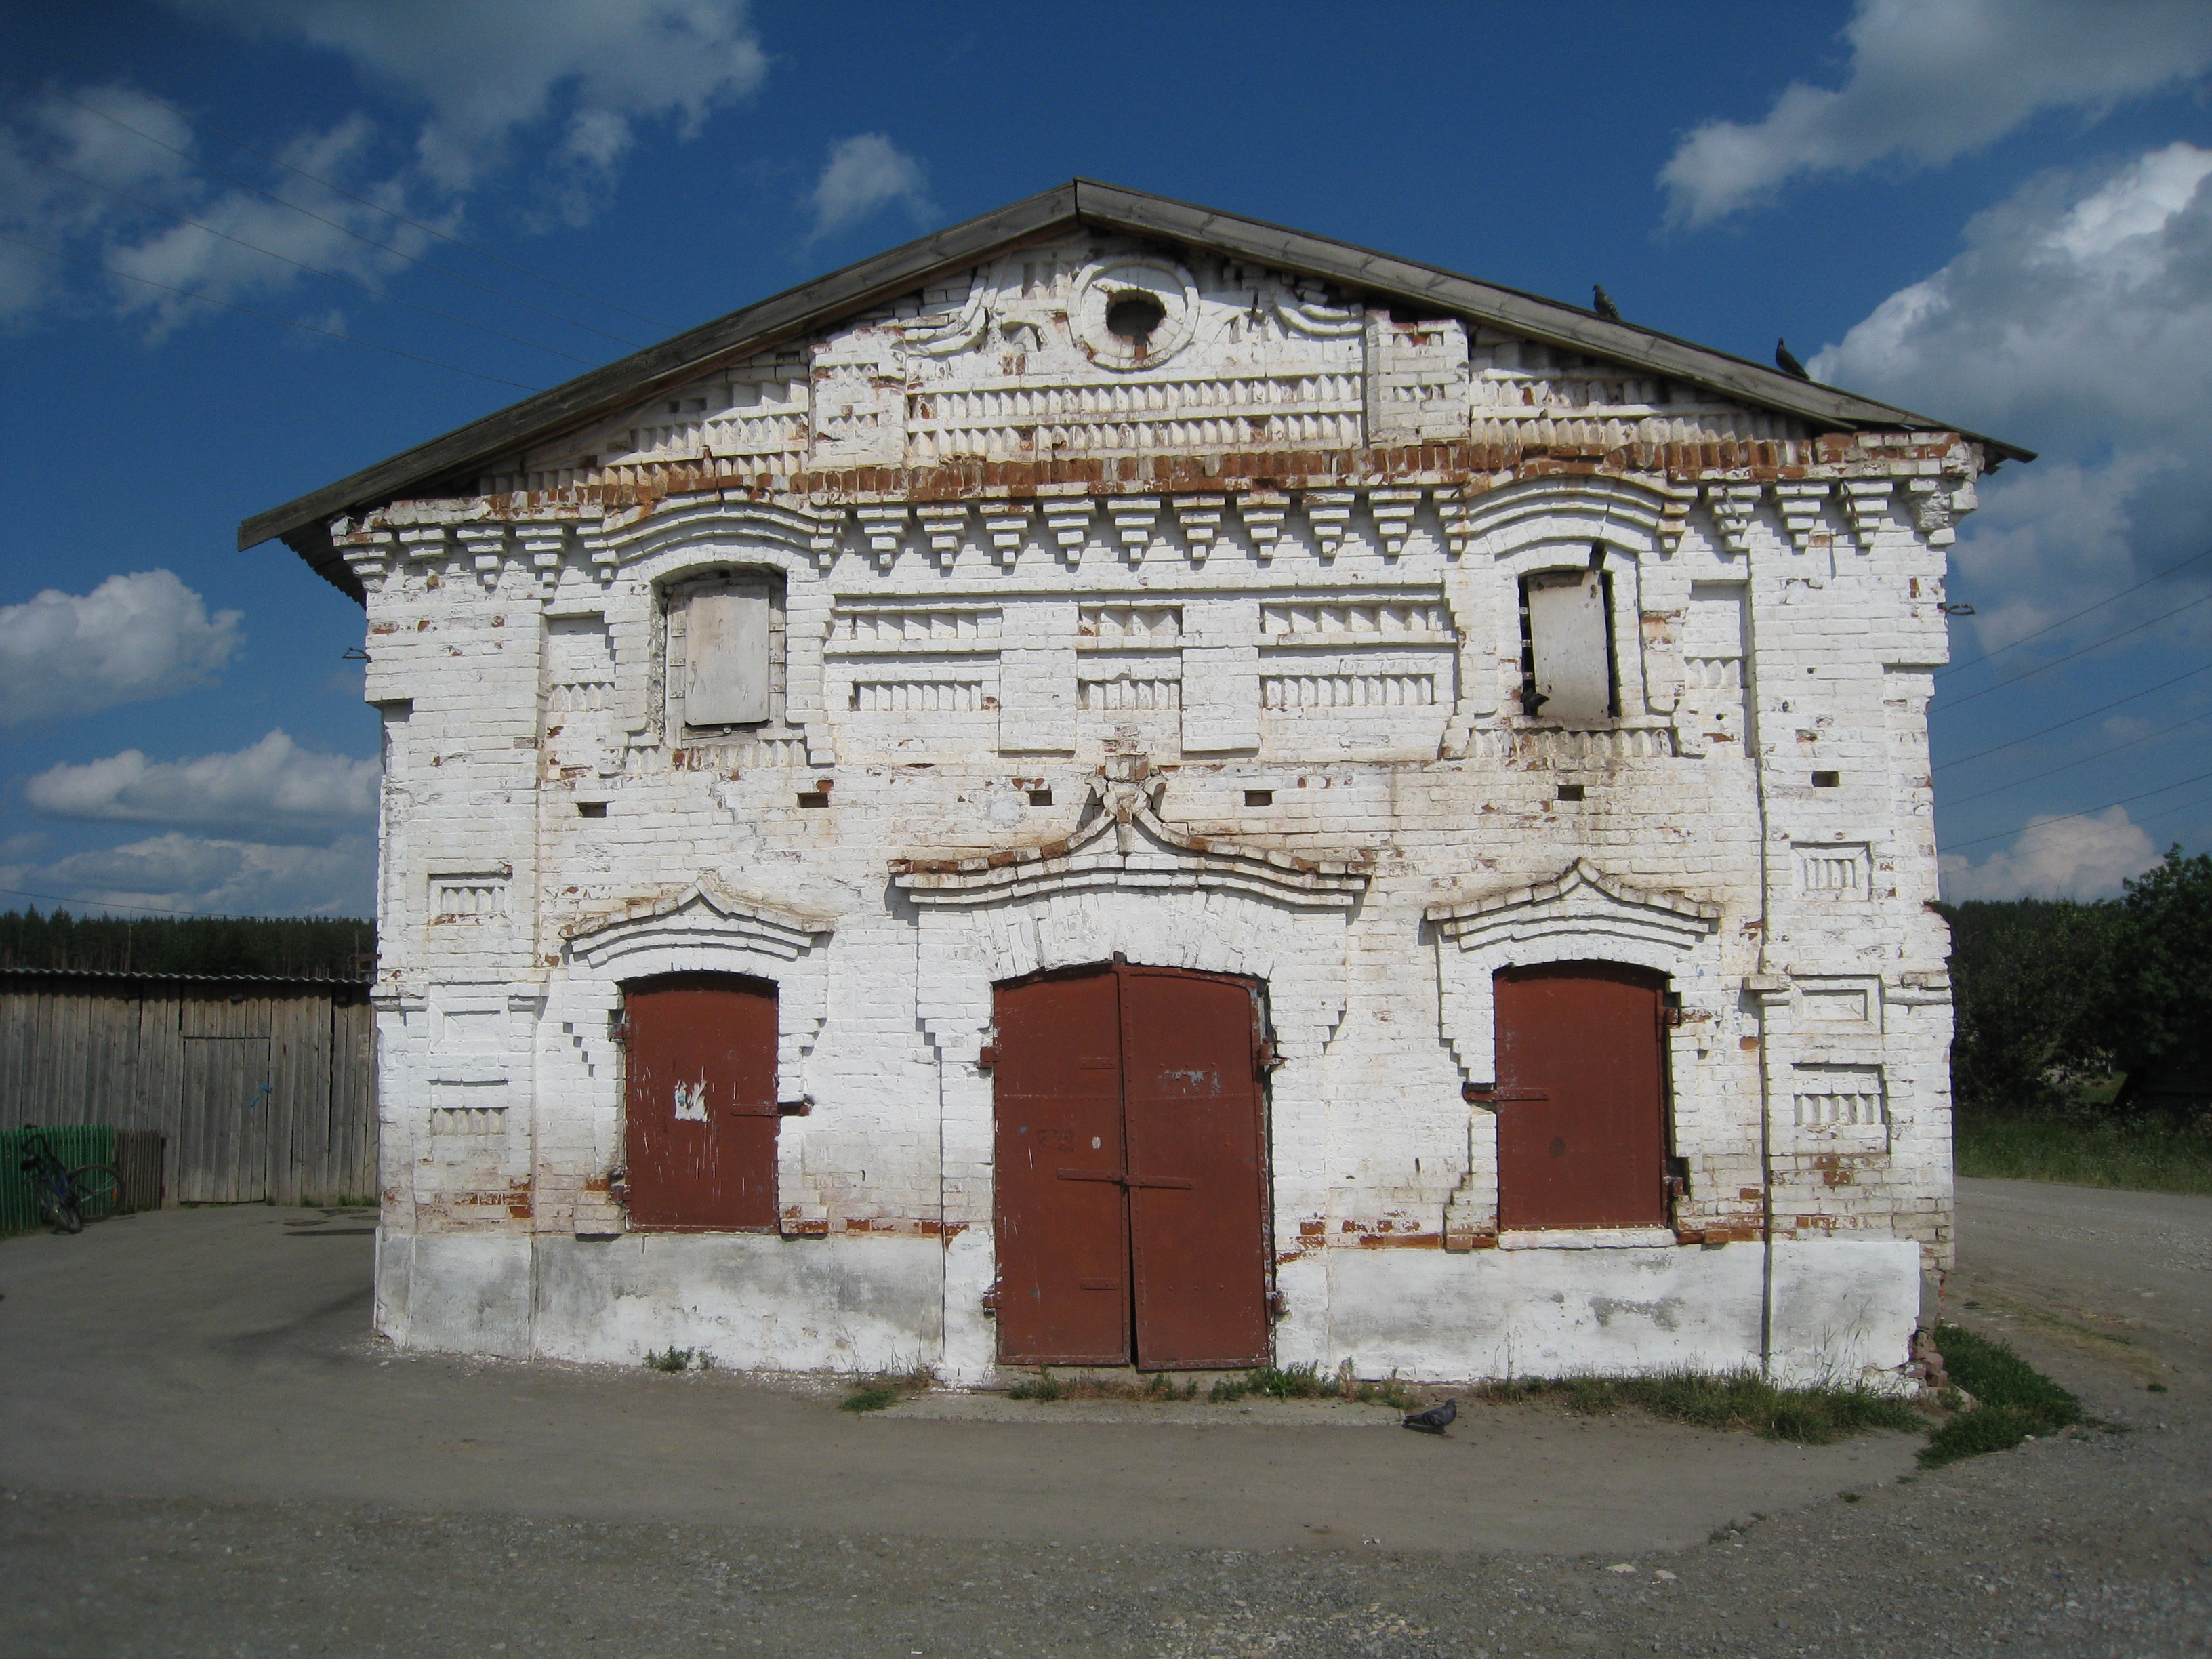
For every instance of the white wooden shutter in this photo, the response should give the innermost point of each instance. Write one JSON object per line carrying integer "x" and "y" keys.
{"x": 1566, "y": 636}
{"x": 725, "y": 646}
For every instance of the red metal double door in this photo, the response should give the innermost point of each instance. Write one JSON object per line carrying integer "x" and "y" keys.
{"x": 1131, "y": 1181}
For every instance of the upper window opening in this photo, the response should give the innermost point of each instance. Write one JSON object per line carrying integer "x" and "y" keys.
{"x": 1133, "y": 315}
{"x": 726, "y": 650}
{"x": 1567, "y": 645}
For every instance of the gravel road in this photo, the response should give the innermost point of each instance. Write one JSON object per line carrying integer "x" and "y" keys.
{"x": 201, "y": 1456}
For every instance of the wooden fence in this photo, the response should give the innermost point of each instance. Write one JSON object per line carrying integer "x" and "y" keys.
{"x": 263, "y": 1089}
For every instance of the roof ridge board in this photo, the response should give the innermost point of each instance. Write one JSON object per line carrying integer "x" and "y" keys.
{"x": 754, "y": 328}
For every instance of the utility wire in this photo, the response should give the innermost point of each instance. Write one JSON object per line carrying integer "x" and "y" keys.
{"x": 2133, "y": 696}
{"x": 1958, "y": 667}
{"x": 161, "y": 909}
{"x": 314, "y": 270}
{"x": 2117, "y": 748}
{"x": 268, "y": 316}
{"x": 2087, "y": 812}
{"x": 428, "y": 230}
{"x": 385, "y": 246}
{"x": 2055, "y": 662}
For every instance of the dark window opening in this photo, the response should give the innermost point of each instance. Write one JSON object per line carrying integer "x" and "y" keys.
{"x": 1827, "y": 780}
{"x": 1571, "y": 791}
{"x": 813, "y": 798}
{"x": 1259, "y": 798}
{"x": 1133, "y": 317}
{"x": 1040, "y": 797}
{"x": 591, "y": 809}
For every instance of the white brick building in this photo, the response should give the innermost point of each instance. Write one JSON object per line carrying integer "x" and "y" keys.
{"x": 1519, "y": 714}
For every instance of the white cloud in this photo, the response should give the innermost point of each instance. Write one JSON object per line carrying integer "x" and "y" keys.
{"x": 473, "y": 79}
{"x": 274, "y": 785}
{"x": 2078, "y": 321}
{"x": 2077, "y": 857}
{"x": 1931, "y": 80}
{"x": 864, "y": 173}
{"x": 131, "y": 638}
{"x": 180, "y": 871}
{"x": 486, "y": 69}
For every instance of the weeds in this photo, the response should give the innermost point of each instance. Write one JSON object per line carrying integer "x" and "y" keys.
{"x": 677, "y": 1359}
{"x": 879, "y": 1393}
{"x": 2012, "y": 1399}
{"x": 2144, "y": 1157}
{"x": 1742, "y": 1400}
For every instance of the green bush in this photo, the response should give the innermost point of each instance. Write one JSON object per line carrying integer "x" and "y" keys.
{"x": 869, "y": 1397}
{"x": 1741, "y": 1399}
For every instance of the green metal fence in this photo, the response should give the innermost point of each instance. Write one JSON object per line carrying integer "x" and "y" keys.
{"x": 74, "y": 1145}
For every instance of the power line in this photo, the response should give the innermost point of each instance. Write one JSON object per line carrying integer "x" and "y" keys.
{"x": 386, "y": 247}
{"x": 2055, "y": 662}
{"x": 267, "y": 317}
{"x": 428, "y": 230}
{"x": 2087, "y": 812}
{"x": 312, "y": 270}
{"x": 160, "y": 909}
{"x": 2133, "y": 696}
{"x": 2117, "y": 748}
{"x": 1958, "y": 667}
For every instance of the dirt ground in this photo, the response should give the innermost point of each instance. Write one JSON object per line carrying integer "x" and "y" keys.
{"x": 203, "y": 1453}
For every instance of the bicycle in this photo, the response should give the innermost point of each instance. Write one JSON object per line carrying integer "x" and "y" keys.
{"x": 65, "y": 1198}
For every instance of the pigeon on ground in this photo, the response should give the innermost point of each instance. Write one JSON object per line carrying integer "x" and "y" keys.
{"x": 1786, "y": 359}
{"x": 1436, "y": 1419}
{"x": 1601, "y": 302}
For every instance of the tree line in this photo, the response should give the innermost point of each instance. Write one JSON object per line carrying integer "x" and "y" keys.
{"x": 2054, "y": 998}
{"x": 301, "y": 947}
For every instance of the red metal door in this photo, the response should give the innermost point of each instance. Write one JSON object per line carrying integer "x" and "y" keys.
{"x": 1197, "y": 1205}
{"x": 1061, "y": 1220}
{"x": 1131, "y": 1189}
{"x": 700, "y": 1102}
{"x": 1582, "y": 1102}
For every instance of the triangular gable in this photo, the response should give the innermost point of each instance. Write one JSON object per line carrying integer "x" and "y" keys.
{"x": 1583, "y": 901}
{"x": 1127, "y": 847}
{"x": 927, "y": 285}
{"x": 705, "y": 907}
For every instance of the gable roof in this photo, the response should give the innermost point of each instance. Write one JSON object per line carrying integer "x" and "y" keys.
{"x": 812, "y": 306}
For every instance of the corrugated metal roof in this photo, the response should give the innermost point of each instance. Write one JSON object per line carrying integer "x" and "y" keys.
{"x": 444, "y": 462}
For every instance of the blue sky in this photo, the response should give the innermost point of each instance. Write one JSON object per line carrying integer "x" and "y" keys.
{"x": 1993, "y": 212}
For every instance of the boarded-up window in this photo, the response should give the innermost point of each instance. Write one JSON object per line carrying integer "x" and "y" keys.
{"x": 1567, "y": 645}
{"x": 1581, "y": 1097}
{"x": 699, "y": 1103}
{"x": 726, "y": 651}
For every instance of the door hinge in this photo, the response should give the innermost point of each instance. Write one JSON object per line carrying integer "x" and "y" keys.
{"x": 1266, "y": 1059}
{"x": 987, "y": 1057}
{"x": 1279, "y": 1305}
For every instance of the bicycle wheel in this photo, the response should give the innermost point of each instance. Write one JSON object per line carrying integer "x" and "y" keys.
{"x": 60, "y": 1216}
{"x": 98, "y": 1189}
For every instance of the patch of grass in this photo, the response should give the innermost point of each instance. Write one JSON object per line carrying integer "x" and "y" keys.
{"x": 674, "y": 1359}
{"x": 879, "y": 1393}
{"x": 2012, "y": 1399}
{"x": 1042, "y": 1386}
{"x": 1741, "y": 1399}
{"x": 2142, "y": 1156}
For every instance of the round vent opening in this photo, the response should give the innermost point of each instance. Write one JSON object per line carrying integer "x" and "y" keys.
{"x": 1133, "y": 315}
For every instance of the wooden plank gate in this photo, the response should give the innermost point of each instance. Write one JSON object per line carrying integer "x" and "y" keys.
{"x": 262, "y": 1089}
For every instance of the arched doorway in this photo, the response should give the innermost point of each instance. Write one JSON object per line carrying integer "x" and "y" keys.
{"x": 1131, "y": 1212}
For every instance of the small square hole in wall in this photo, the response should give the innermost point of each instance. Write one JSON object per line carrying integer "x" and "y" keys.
{"x": 1259, "y": 798}
{"x": 1571, "y": 791}
{"x": 591, "y": 809}
{"x": 1827, "y": 780}
{"x": 1040, "y": 797}
{"x": 814, "y": 798}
